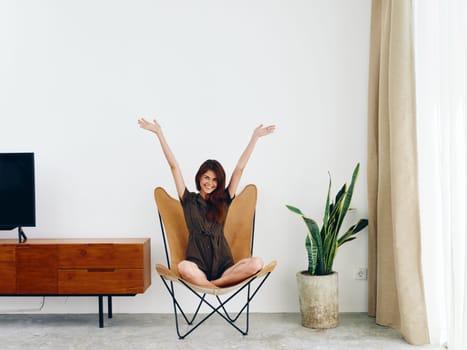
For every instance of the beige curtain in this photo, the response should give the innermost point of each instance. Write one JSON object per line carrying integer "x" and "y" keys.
{"x": 395, "y": 293}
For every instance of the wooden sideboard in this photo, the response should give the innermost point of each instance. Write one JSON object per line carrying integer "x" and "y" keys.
{"x": 76, "y": 267}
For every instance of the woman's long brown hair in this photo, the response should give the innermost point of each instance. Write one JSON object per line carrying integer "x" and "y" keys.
{"x": 216, "y": 201}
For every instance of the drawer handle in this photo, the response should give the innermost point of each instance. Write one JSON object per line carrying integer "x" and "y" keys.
{"x": 101, "y": 270}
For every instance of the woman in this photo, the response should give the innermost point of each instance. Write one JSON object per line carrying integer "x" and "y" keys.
{"x": 208, "y": 261}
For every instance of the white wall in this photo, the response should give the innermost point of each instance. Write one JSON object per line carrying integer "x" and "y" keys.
{"x": 76, "y": 75}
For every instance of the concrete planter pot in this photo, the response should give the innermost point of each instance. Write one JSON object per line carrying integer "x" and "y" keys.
{"x": 318, "y": 297}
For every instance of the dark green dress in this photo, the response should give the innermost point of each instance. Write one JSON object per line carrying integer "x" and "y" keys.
{"x": 207, "y": 246}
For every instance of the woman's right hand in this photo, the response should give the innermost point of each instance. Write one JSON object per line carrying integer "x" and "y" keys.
{"x": 174, "y": 168}
{"x": 150, "y": 126}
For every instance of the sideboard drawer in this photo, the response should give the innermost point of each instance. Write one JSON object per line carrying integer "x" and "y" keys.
{"x": 100, "y": 281}
{"x": 123, "y": 256}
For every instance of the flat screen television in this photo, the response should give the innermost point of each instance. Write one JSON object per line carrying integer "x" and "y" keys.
{"x": 17, "y": 192}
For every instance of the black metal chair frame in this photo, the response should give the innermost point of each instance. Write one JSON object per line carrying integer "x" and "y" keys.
{"x": 220, "y": 309}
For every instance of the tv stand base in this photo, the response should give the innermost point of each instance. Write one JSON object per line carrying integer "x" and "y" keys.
{"x": 21, "y": 235}
{"x": 96, "y": 267}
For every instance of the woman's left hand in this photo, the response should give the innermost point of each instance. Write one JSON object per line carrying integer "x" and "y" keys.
{"x": 261, "y": 130}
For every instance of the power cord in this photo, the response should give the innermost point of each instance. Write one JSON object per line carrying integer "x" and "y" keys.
{"x": 25, "y": 310}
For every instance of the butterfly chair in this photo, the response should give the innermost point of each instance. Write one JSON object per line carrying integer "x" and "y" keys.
{"x": 239, "y": 232}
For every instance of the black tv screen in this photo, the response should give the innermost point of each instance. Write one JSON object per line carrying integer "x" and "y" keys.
{"x": 17, "y": 190}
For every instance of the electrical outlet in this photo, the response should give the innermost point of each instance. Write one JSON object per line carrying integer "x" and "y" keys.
{"x": 361, "y": 273}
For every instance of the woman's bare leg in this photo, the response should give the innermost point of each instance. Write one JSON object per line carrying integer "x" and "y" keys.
{"x": 190, "y": 272}
{"x": 241, "y": 270}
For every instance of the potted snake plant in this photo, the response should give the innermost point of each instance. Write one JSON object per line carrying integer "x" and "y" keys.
{"x": 318, "y": 285}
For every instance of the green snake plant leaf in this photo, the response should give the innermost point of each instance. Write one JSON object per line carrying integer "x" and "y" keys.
{"x": 313, "y": 230}
{"x": 342, "y": 192}
{"x": 330, "y": 247}
{"x": 294, "y": 210}
{"x": 347, "y": 240}
{"x": 348, "y": 197}
{"x": 311, "y": 245}
{"x": 349, "y": 234}
{"x": 312, "y": 252}
{"x": 324, "y": 229}
{"x": 337, "y": 208}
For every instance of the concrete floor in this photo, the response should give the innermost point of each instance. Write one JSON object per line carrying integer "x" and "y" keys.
{"x": 157, "y": 331}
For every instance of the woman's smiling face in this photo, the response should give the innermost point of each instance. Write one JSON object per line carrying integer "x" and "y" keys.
{"x": 208, "y": 183}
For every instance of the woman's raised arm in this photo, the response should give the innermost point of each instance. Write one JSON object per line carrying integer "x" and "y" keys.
{"x": 260, "y": 131}
{"x": 173, "y": 164}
